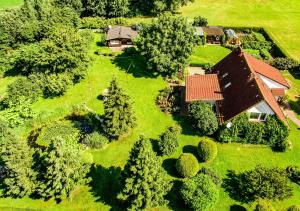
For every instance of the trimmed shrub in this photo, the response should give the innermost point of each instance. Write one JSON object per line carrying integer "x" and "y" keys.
{"x": 168, "y": 141}
{"x": 207, "y": 150}
{"x": 294, "y": 208}
{"x": 199, "y": 192}
{"x": 285, "y": 63}
{"x": 202, "y": 117}
{"x": 187, "y": 165}
{"x": 95, "y": 140}
{"x": 263, "y": 205}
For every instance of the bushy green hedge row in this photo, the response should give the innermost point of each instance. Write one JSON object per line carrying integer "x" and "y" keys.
{"x": 274, "y": 132}
{"x": 101, "y": 23}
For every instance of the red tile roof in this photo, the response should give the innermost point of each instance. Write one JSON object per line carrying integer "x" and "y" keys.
{"x": 203, "y": 87}
{"x": 266, "y": 70}
{"x": 247, "y": 89}
{"x": 278, "y": 92}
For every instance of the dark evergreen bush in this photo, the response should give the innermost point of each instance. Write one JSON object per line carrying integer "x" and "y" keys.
{"x": 285, "y": 63}
{"x": 168, "y": 141}
{"x": 294, "y": 173}
{"x": 200, "y": 21}
{"x": 260, "y": 182}
{"x": 207, "y": 150}
{"x": 187, "y": 165}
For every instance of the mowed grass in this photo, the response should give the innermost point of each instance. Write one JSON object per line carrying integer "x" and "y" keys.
{"x": 4, "y": 4}
{"x": 280, "y": 17}
{"x": 208, "y": 54}
{"x": 143, "y": 88}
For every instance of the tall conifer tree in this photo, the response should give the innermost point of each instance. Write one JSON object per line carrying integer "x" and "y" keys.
{"x": 143, "y": 179}
{"x": 17, "y": 159}
{"x": 118, "y": 112}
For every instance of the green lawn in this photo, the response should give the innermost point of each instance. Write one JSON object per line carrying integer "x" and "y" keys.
{"x": 280, "y": 17}
{"x": 143, "y": 88}
{"x": 208, "y": 54}
{"x": 4, "y": 4}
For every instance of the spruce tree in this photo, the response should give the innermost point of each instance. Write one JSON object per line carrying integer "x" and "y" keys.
{"x": 118, "y": 112}
{"x": 17, "y": 159}
{"x": 143, "y": 179}
{"x": 64, "y": 169}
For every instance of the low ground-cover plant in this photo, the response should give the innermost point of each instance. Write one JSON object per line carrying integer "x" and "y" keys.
{"x": 273, "y": 132}
{"x": 168, "y": 141}
{"x": 95, "y": 140}
{"x": 168, "y": 100}
{"x": 207, "y": 150}
{"x": 260, "y": 182}
{"x": 187, "y": 165}
{"x": 202, "y": 117}
{"x": 199, "y": 192}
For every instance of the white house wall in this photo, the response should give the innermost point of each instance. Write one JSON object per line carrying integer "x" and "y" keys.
{"x": 270, "y": 83}
{"x": 262, "y": 107}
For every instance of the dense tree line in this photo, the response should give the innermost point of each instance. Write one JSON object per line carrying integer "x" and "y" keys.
{"x": 123, "y": 8}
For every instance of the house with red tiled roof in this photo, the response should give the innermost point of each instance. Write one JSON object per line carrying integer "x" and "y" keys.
{"x": 240, "y": 83}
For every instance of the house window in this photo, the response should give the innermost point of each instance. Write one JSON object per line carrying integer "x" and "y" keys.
{"x": 227, "y": 85}
{"x": 263, "y": 117}
{"x": 254, "y": 116}
{"x": 224, "y": 75}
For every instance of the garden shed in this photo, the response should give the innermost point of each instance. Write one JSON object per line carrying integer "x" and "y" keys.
{"x": 232, "y": 38}
{"x": 120, "y": 35}
{"x": 214, "y": 34}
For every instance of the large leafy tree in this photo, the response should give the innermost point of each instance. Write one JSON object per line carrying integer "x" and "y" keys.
{"x": 143, "y": 179}
{"x": 62, "y": 169}
{"x": 118, "y": 113}
{"x": 167, "y": 44}
{"x": 106, "y": 8}
{"x": 17, "y": 159}
{"x": 203, "y": 117}
{"x": 74, "y": 4}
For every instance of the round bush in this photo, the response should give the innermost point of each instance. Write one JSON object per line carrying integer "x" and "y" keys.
{"x": 263, "y": 205}
{"x": 199, "y": 192}
{"x": 187, "y": 165}
{"x": 207, "y": 150}
{"x": 294, "y": 208}
{"x": 95, "y": 140}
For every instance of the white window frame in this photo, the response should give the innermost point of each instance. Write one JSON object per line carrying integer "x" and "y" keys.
{"x": 259, "y": 118}
{"x": 224, "y": 75}
{"x": 227, "y": 85}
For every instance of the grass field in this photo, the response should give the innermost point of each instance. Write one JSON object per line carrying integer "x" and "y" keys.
{"x": 281, "y": 18}
{"x": 4, "y": 4}
{"x": 143, "y": 88}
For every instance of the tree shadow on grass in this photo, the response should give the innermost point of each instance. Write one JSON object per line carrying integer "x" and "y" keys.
{"x": 174, "y": 198}
{"x": 169, "y": 165}
{"x": 231, "y": 185}
{"x": 134, "y": 64}
{"x": 190, "y": 149}
{"x": 185, "y": 124}
{"x": 237, "y": 207}
{"x": 105, "y": 185}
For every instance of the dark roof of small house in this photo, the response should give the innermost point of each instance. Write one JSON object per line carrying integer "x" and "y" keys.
{"x": 213, "y": 30}
{"x": 246, "y": 87}
{"x": 121, "y": 32}
{"x": 230, "y": 33}
{"x": 202, "y": 87}
{"x": 199, "y": 31}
